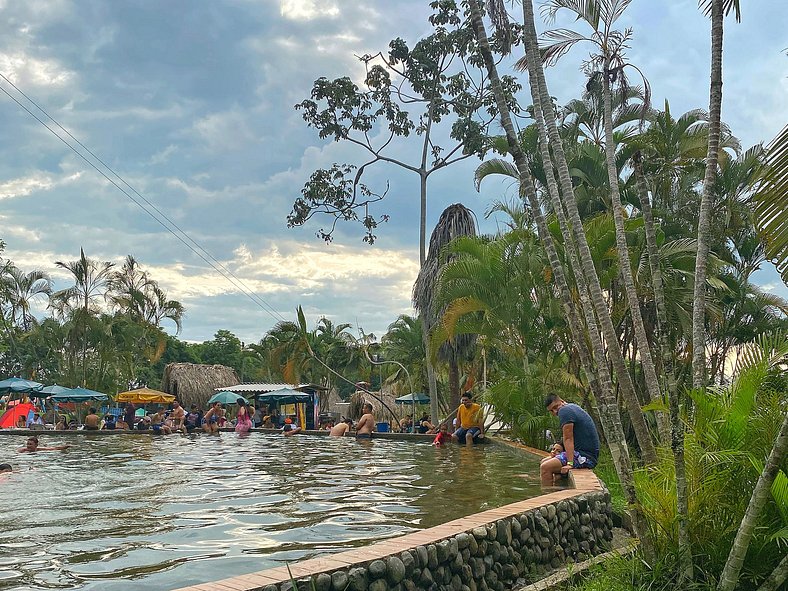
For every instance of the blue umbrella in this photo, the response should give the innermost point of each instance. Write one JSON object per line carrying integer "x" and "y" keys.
{"x": 19, "y": 385}
{"x": 78, "y": 395}
{"x": 55, "y": 389}
{"x": 225, "y": 397}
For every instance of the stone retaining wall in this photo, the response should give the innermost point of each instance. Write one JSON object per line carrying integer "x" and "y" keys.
{"x": 487, "y": 551}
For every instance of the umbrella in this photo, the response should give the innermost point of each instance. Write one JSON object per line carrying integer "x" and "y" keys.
{"x": 145, "y": 396}
{"x": 284, "y": 396}
{"x": 225, "y": 397}
{"x": 54, "y": 389}
{"x": 19, "y": 385}
{"x": 79, "y": 395}
{"x": 413, "y": 398}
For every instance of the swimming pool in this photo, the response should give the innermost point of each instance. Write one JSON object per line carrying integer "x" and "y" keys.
{"x": 159, "y": 513}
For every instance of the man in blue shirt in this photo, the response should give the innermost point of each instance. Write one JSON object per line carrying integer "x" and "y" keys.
{"x": 580, "y": 439}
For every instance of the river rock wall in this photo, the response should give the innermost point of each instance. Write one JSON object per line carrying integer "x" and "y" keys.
{"x": 489, "y": 557}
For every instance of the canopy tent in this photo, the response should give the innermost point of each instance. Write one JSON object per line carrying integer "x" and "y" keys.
{"x": 145, "y": 396}
{"x": 413, "y": 398}
{"x": 283, "y": 396}
{"x": 13, "y": 413}
{"x": 225, "y": 397}
{"x": 79, "y": 395}
{"x": 20, "y": 386}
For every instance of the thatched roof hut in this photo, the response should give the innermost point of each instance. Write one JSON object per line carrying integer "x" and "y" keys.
{"x": 191, "y": 383}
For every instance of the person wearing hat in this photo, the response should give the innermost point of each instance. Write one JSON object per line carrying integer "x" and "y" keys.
{"x": 290, "y": 428}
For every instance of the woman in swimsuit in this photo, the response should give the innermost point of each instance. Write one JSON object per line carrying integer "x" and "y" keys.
{"x": 243, "y": 421}
{"x": 210, "y": 422}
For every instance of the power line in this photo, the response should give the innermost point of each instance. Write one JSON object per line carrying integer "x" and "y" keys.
{"x": 181, "y": 235}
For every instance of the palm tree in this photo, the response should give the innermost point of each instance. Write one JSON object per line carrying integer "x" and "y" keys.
{"x": 80, "y": 301}
{"x": 23, "y": 288}
{"x": 156, "y": 308}
{"x": 404, "y": 342}
{"x": 587, "y": 280}
{"x": 609, "y": 64}
{"x": 716, "y": 8}
{"x": 456, "y": 220}
{"x": 128, "y": 288}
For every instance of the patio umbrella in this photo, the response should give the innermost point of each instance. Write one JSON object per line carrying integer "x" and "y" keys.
{"x": 225, "y": 397}
{"x": 413, "y": 398}
{"x": 19, "y": 385}
{"x": 79, "y": 395}
{"x": 283, "y": 396}
{"x": 145, "y": 396}
{"x": 54, "y": 389}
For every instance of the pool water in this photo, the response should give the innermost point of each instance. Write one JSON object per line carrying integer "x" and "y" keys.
{"x": 158, "y": 513}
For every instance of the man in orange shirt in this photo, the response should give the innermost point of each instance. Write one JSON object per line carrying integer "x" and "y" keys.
{"x": 471, "y": 421}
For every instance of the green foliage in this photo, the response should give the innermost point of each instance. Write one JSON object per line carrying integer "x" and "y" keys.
{"x": 731, "y": 430}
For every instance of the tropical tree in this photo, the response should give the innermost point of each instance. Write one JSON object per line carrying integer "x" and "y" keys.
{"x": 80, "y": 303}
{"x": 404, "y": 343}
{"x": 716, "y": 9}
{"x": 608, "y": 63}
{"x": 22, "y": 289}
{"x": 596, "y": 370}
{"x": 455, "y": 221}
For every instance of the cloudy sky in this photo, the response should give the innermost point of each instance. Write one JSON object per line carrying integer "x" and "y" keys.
{"x": 191, "y": 102}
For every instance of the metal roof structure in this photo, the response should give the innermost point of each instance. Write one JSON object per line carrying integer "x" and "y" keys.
{"x": 260, "y": 388}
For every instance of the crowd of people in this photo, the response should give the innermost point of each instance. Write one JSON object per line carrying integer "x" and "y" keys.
{"x": 578, "y": 448}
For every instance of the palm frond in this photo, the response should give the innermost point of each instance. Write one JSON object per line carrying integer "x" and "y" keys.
{"x": 494, "y": 166}
{"x": 770, "y": 201}
{"x": 555, "y": 45}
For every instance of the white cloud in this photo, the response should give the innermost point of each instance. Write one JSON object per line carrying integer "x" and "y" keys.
{"x": 226, "y": 131}
{"x": 38, "y": 181}
{"x": 299, "y": 10}
{"x": 27, "y": 71}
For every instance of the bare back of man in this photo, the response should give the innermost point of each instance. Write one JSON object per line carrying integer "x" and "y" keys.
{"x": 339, "y": 430}
{"x": 366, "y": 424}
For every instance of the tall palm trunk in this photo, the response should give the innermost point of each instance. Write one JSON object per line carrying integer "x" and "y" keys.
{"x": 777, "y": 578}
{"x": 704, "y": 217}
{"x": 612, "y": 424}
{"x": 625, "y": 266}
{"x": 730, "y": 573}
{"x": 536, "y": 76}
{"x": 676, "y": 425}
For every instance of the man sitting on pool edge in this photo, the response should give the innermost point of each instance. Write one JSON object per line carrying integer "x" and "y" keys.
{"x": 580, "y": 440}
{"x": 470, "y": 420}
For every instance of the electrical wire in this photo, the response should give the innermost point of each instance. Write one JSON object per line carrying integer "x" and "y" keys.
{"x": 181, "y": 235}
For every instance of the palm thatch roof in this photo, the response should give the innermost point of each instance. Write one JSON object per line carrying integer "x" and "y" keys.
{"x": 192, "y": 383}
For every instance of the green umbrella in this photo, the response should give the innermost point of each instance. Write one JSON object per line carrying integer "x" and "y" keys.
{"x": 225, "y": 397}
{"x": 19, "y": 385}
{"x": 284, "y": 396}
{"x": 78, "y": 395}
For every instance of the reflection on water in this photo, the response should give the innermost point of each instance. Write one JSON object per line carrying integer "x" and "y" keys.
{"x": 160, "y": 513}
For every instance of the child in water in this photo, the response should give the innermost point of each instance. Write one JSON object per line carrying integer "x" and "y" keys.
{"x": 443, "y": 436}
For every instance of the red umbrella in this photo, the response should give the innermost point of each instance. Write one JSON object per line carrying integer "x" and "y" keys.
{"x": 11, "y": 416}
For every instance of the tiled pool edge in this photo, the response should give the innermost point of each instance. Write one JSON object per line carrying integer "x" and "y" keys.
{"x": 487, "y": 551}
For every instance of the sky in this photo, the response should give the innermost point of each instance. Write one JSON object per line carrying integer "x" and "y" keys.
{"x": 192, "y": 104}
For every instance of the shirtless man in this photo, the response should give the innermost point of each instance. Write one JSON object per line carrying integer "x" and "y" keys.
{"x": 366, "y": 423}
{"x": 92, "y": 421}
{"x": 340, "y": 429}
{"x": 177, "y": 417}
{"x": 32, "y": 446}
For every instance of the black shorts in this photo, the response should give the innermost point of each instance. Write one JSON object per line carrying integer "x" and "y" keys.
{"x": 364, "y": 436}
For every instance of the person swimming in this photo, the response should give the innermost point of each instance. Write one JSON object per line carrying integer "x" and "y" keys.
{"x": 5, "y": 468}
{"x": 32, "y": 446}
